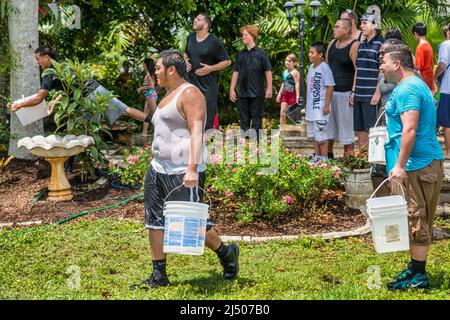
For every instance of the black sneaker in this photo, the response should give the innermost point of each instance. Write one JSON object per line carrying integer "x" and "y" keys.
{"x": 152, "y": 282}
{"x": 230, "y": 262}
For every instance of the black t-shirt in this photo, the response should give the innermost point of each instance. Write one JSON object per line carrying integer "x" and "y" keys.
{"x": 251, "y": 65}
{"x": 210, "y": 51}
{"x": 51, "y": 82}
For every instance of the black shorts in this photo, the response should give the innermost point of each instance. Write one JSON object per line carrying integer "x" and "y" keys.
{"x": 156, "y": 188}
{"x": 364, "y": 116}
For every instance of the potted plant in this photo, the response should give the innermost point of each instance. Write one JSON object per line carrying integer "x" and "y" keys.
{"x": 357, "y": 180}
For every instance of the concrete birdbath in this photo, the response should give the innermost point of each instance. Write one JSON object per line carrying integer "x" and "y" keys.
{"x": 56, "y": 150}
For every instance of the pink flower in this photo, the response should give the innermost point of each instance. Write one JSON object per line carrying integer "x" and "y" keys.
{"x": 288, "y": 200}
{"x": 210, "y": 189}
{"x": 132, "y": 159}
{"x": 230, "y": 165}
{"x": 241, "y": 141}
{"x": 299, "y": 155}
{"x": 256, "y": 152}
{"x": 233, "y": 170}
{"x": 228, "y": 193}
{"x": 214, "y": 159}
{"x": 324, "y": 165}
{"x": 259, "y": 173}
{"x": 311, "y": 164}
{"x": 337, "y": 170}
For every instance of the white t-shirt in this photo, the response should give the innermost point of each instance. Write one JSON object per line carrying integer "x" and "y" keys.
{"x": 316, "y": 91}
{"x": 444, "y": 57}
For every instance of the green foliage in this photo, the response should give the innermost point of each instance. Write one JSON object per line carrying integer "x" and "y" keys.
{"x": 4, "y": 137}
{"x": 296, "y": 184}
{"x": 75, "y": 113}
{"x": 137, "y": 162}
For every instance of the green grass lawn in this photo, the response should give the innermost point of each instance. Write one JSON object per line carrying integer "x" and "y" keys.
{"x": 112, "y": 254}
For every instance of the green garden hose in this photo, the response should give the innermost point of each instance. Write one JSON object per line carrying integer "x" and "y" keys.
{"x": 83, "y": 213}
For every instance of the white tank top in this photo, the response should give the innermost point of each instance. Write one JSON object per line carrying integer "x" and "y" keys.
{"x": 171, "y": 141}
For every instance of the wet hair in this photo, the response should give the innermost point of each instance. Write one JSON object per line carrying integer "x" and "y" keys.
{"x": 347, "y": 23}
{"x": 207, "y": 19}
{"x": 400, "y": 52}
{"x": 393, "y": 33}
{"x": 252, "y": 30}
{"x": 47, "y": 51}
{"x": 319, "y": 46}
{"x": 150, "y": 64}
{"x": 174, "y": 58}
{"x": 420, "y": 28}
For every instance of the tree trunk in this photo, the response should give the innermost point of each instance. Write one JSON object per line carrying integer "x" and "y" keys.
{"x": 3, "y": 92}
{"x": 23, "y": 39}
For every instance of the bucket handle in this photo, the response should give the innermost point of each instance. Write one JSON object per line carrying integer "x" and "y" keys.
{"x": 182, "y": 185}
{"x": 384, "y": 111}
{"x": 401, "y": 187}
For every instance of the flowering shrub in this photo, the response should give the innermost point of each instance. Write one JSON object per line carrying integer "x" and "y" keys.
{"x": 356, "y": 161}
{"x": 137, "y": 162}
{"x": 296, "y": 184}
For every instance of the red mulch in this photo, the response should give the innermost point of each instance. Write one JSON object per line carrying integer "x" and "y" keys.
{"x": 20, "y": 183}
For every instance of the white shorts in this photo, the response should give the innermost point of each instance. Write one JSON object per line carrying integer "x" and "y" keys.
{"x": 318, "y": 130}
{"x": 341, "y": 119}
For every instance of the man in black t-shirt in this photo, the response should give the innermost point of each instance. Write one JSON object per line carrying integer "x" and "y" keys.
{"x": 44, "y": 56}
{"x": 205, "y": 55}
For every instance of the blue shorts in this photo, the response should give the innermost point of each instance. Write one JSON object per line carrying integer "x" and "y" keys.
{"x": 443, "y": 111}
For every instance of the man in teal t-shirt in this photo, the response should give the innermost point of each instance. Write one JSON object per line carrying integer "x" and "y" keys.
{"x": 414, "y": 157}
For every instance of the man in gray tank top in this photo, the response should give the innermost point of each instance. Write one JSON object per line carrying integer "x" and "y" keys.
{"x": 178, "y": 165}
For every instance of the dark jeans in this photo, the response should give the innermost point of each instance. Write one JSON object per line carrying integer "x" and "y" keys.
{"x": 251, "y": 112}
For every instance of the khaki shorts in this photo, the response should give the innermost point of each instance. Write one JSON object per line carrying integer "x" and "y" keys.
{"x": 422, "y": 190}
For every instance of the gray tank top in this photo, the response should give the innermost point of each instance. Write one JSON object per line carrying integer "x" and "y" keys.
{"x": 171, "y": 141}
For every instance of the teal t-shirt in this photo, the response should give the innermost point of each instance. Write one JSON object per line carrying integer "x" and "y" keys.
{"x": 413, "y": 94}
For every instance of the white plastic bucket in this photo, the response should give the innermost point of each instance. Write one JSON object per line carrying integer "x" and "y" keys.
{"x": 389, "y": 222}
{"x": 185, "y": 226}
{"x": 377, "y": 138}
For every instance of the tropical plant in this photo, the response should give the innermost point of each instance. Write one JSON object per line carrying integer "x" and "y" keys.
{"x": 76, "y": 114}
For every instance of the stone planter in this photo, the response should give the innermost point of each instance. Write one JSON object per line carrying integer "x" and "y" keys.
{"x": 358, "y": 187}
{"x": 56, "y": 150}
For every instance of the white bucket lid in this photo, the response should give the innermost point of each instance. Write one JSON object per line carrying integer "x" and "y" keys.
{"x": 385, "y": 202}
{"x": 186, "y": 204}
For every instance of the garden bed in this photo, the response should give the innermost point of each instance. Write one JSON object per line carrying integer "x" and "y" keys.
{"x": 22, "y": 181}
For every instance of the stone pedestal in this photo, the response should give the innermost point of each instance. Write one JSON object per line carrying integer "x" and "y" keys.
{"x": 59, "y": 185}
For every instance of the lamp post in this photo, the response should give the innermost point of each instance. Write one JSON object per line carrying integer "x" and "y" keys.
{"x": 299, "y": 6}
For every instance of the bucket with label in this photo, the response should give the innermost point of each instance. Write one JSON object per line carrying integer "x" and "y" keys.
{"x": 389, "y": 222}
{"x": 185, "y": 226}
{"x": 377, "y": 138}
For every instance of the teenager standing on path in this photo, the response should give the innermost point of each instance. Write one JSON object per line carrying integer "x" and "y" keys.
{"x": 365, "y": 92}
{"x": 250, "y": 70}
{"x": 424, "y": 59}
